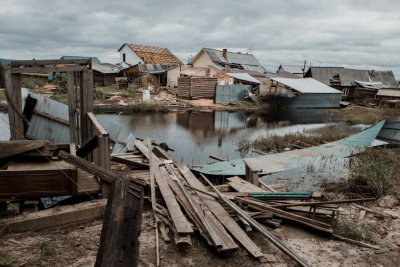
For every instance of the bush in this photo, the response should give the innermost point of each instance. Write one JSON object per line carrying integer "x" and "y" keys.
{"x": 352, "y": 231}
{"x": 98, "y": 94}
{"x": 61, "y": 81}
{"x": 376, "y": 171}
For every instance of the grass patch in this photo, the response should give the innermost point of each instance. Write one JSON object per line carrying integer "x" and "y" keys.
{"x": 293, "y": 140}
{"x": 353, "y": 231}
{"x": 32, "y": 82}
{"x": 3, "y": 95}
{"x": 365, "y": 115}
{"x": 6, "y": 262}
{"x": 148, "y": 107}
{"x": 376, "y": 171}
{"x": 63, "y": 98}
{"x": 48, "y": 248}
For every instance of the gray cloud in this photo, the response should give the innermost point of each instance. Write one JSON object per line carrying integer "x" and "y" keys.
{"x": 359, "y": 34}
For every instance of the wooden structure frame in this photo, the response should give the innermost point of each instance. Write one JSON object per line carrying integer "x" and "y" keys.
{"x": 86, "y": 133}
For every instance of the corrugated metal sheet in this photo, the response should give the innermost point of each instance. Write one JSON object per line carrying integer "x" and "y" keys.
{"x": 391, "y": 131}
{"x": 106, "y": 68}
{"x": 248, "y": 61}
{"x": 278, "y": 162}
{"x": 372, "y": 85}
{"x": 155, "y": 68}
{"x": 389, "y": 92}
{"x": 95, "y": 60}
{"x": 226, "y": 94}
{"x": 4, "y": 127}
{"x": 311, "y": 101}
{"x": 243, "y": 77}
{"x": 307, "y": 86}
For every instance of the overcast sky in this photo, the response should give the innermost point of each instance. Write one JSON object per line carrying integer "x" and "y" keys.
{"x": 358, "y": 34}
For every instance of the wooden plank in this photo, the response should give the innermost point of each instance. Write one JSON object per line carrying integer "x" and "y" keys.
{"x": 79, "y": 213}
{"x": 99, "y": 128}
{"x": 133, "y": 161}
{"x": 88, "y": 146}
{"x": 73, "y": 134}
{"x": 12, "y": 148}
{"x": 243, "y": 186}
{"x": 14, "y": 100}
{"x": 180, "y": 221}
{"x": 38, "y": 179}
{"x": 222, "y": 215}
{"x": 119, "y": 240}
{"x": 41, "y": 62}
{"x": 323, "y": 227}
{"x": 104, "y": 174}
{"x": 46, "y": 70}
{"x": 251, "y": 173}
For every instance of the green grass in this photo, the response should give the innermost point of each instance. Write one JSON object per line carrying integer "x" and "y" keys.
{"x": 148, "y": 107}
{"x": 6, "y": 262}
{"x": 364, "y": 115}
{"x": 353, "y": 231}
{"x": 3, "y": 95}
{"x": 48, "y": 248}
{"x": 376, "y": 171}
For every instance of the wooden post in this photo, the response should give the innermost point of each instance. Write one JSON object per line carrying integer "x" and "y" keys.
{"x": 73, "y": 134}
{"x": 119, "y": 240}
{"x": 86, "y": 103}
{"x": 13, "y": 91}
{"x": 251, "y": 173}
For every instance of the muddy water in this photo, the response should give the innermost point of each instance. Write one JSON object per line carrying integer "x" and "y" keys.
{"x": 196, "y": 135}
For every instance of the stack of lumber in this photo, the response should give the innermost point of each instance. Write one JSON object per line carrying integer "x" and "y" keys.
{"x": 203, "y": 87}
{"x": 183, "y": 90}
{"x": 196, "y": 87}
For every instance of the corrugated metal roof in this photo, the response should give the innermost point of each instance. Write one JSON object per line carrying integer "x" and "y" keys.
{"x": 389, "y": 92}
{"x": 244, "y": 77}
{"x": 391, "y": 131}
{"x": 278, "y": 162}
{"x": 95, "y": 60}
{"x": 372, "y": 85}
{"x": 155, "y": 68}
{"x": 307, "y": 86}
{"x": 294, "y": 69}
{"x": 247, "y": 61}
{"x": 106, "y": 68}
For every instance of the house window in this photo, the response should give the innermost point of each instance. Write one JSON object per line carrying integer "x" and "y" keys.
{"x": 345, "y": 92}
{"x": 123, "y": 57}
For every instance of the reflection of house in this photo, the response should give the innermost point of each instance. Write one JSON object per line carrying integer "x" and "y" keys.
{"x": 104, "y": 74}
{"x": 147, "y": 64}
{"x": 200, "y": 124}
{"x": 345, "y": 79}
{"x": 223, "y": 59}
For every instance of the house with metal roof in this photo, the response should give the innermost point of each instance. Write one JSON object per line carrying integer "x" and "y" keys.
{"x": 306, "y": 93}
{"x": 296, "y": 70}
{"x": 224, "y": 59}
{"x": 132, "y": 54}
{"x": 95, "y": 60}
{"x": 355, "y": 84}
{"x": 104, "y": 74}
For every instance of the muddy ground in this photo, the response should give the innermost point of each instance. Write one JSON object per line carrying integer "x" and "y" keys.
{"x": 77, "y": 245}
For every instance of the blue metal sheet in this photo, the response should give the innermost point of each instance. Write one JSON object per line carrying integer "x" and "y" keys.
{"x": 226, "y": 94}
{"x": 278, "y": 162}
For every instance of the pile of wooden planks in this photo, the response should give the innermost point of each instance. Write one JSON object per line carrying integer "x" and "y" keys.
{"x": 183, "y": 89}
{"x": 203, "y": 87}
{"x": 196, "y": 87}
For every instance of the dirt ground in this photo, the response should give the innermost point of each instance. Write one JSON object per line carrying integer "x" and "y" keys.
{"x": 77, "y": 246}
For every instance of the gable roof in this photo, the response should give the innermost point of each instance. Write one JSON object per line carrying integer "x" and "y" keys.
{"x": 307, "y": 86}
{"x": 247, "y": 61}
{"x": 153, "y": 54}
{"x": 294, "y": 69}
{"x": 349, "y": 76}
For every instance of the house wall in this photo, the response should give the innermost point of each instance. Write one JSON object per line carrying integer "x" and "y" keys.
{"x": 130, "y": 57}
{"x": 311, "y": 101}
{"x": 172, "y": 77}
{"x": 203, "y": 61}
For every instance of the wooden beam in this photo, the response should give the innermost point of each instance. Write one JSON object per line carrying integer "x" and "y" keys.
{"x": 45, "y": 70}
{"x": 119, "y": 240}
{"x": 99, "y": 128}
{"x": 73, "y": 127}
{"x": 13, "y": 93}
{"x": 79, "y": 213}
{"x": 251, "y": 173}
{"x": 42, "y": 62}
{"x": 88, "y": 147}
{"x": 88, "y": 166}
{"x": 12, "y": 148}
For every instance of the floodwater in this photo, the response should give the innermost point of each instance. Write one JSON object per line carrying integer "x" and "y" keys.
{"x": 196, "y": 135}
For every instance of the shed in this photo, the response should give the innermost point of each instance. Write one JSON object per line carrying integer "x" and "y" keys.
{"x": 307, "y": 93}
{"x": 104, "y": 74}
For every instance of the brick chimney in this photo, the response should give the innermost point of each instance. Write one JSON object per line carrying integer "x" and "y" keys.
{"x": 225, "y": 53}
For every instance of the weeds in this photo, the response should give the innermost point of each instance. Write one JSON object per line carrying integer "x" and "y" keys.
{"x": 6, "y": 262}
{"x": 292, "y": 140}
{"x": 376, "y": 171}
{"x": 48, "y": 248}
{"x": 148, "y": 107}
{"x": 364, "y": 115}
{"x": 98, "y": 94}
{"x": 351, "y": 230}
{"x": 33, "y": 82}
{"x": 3, "y": 95}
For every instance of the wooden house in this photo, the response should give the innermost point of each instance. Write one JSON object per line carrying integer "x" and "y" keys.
{"x": 150, "y": 61}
